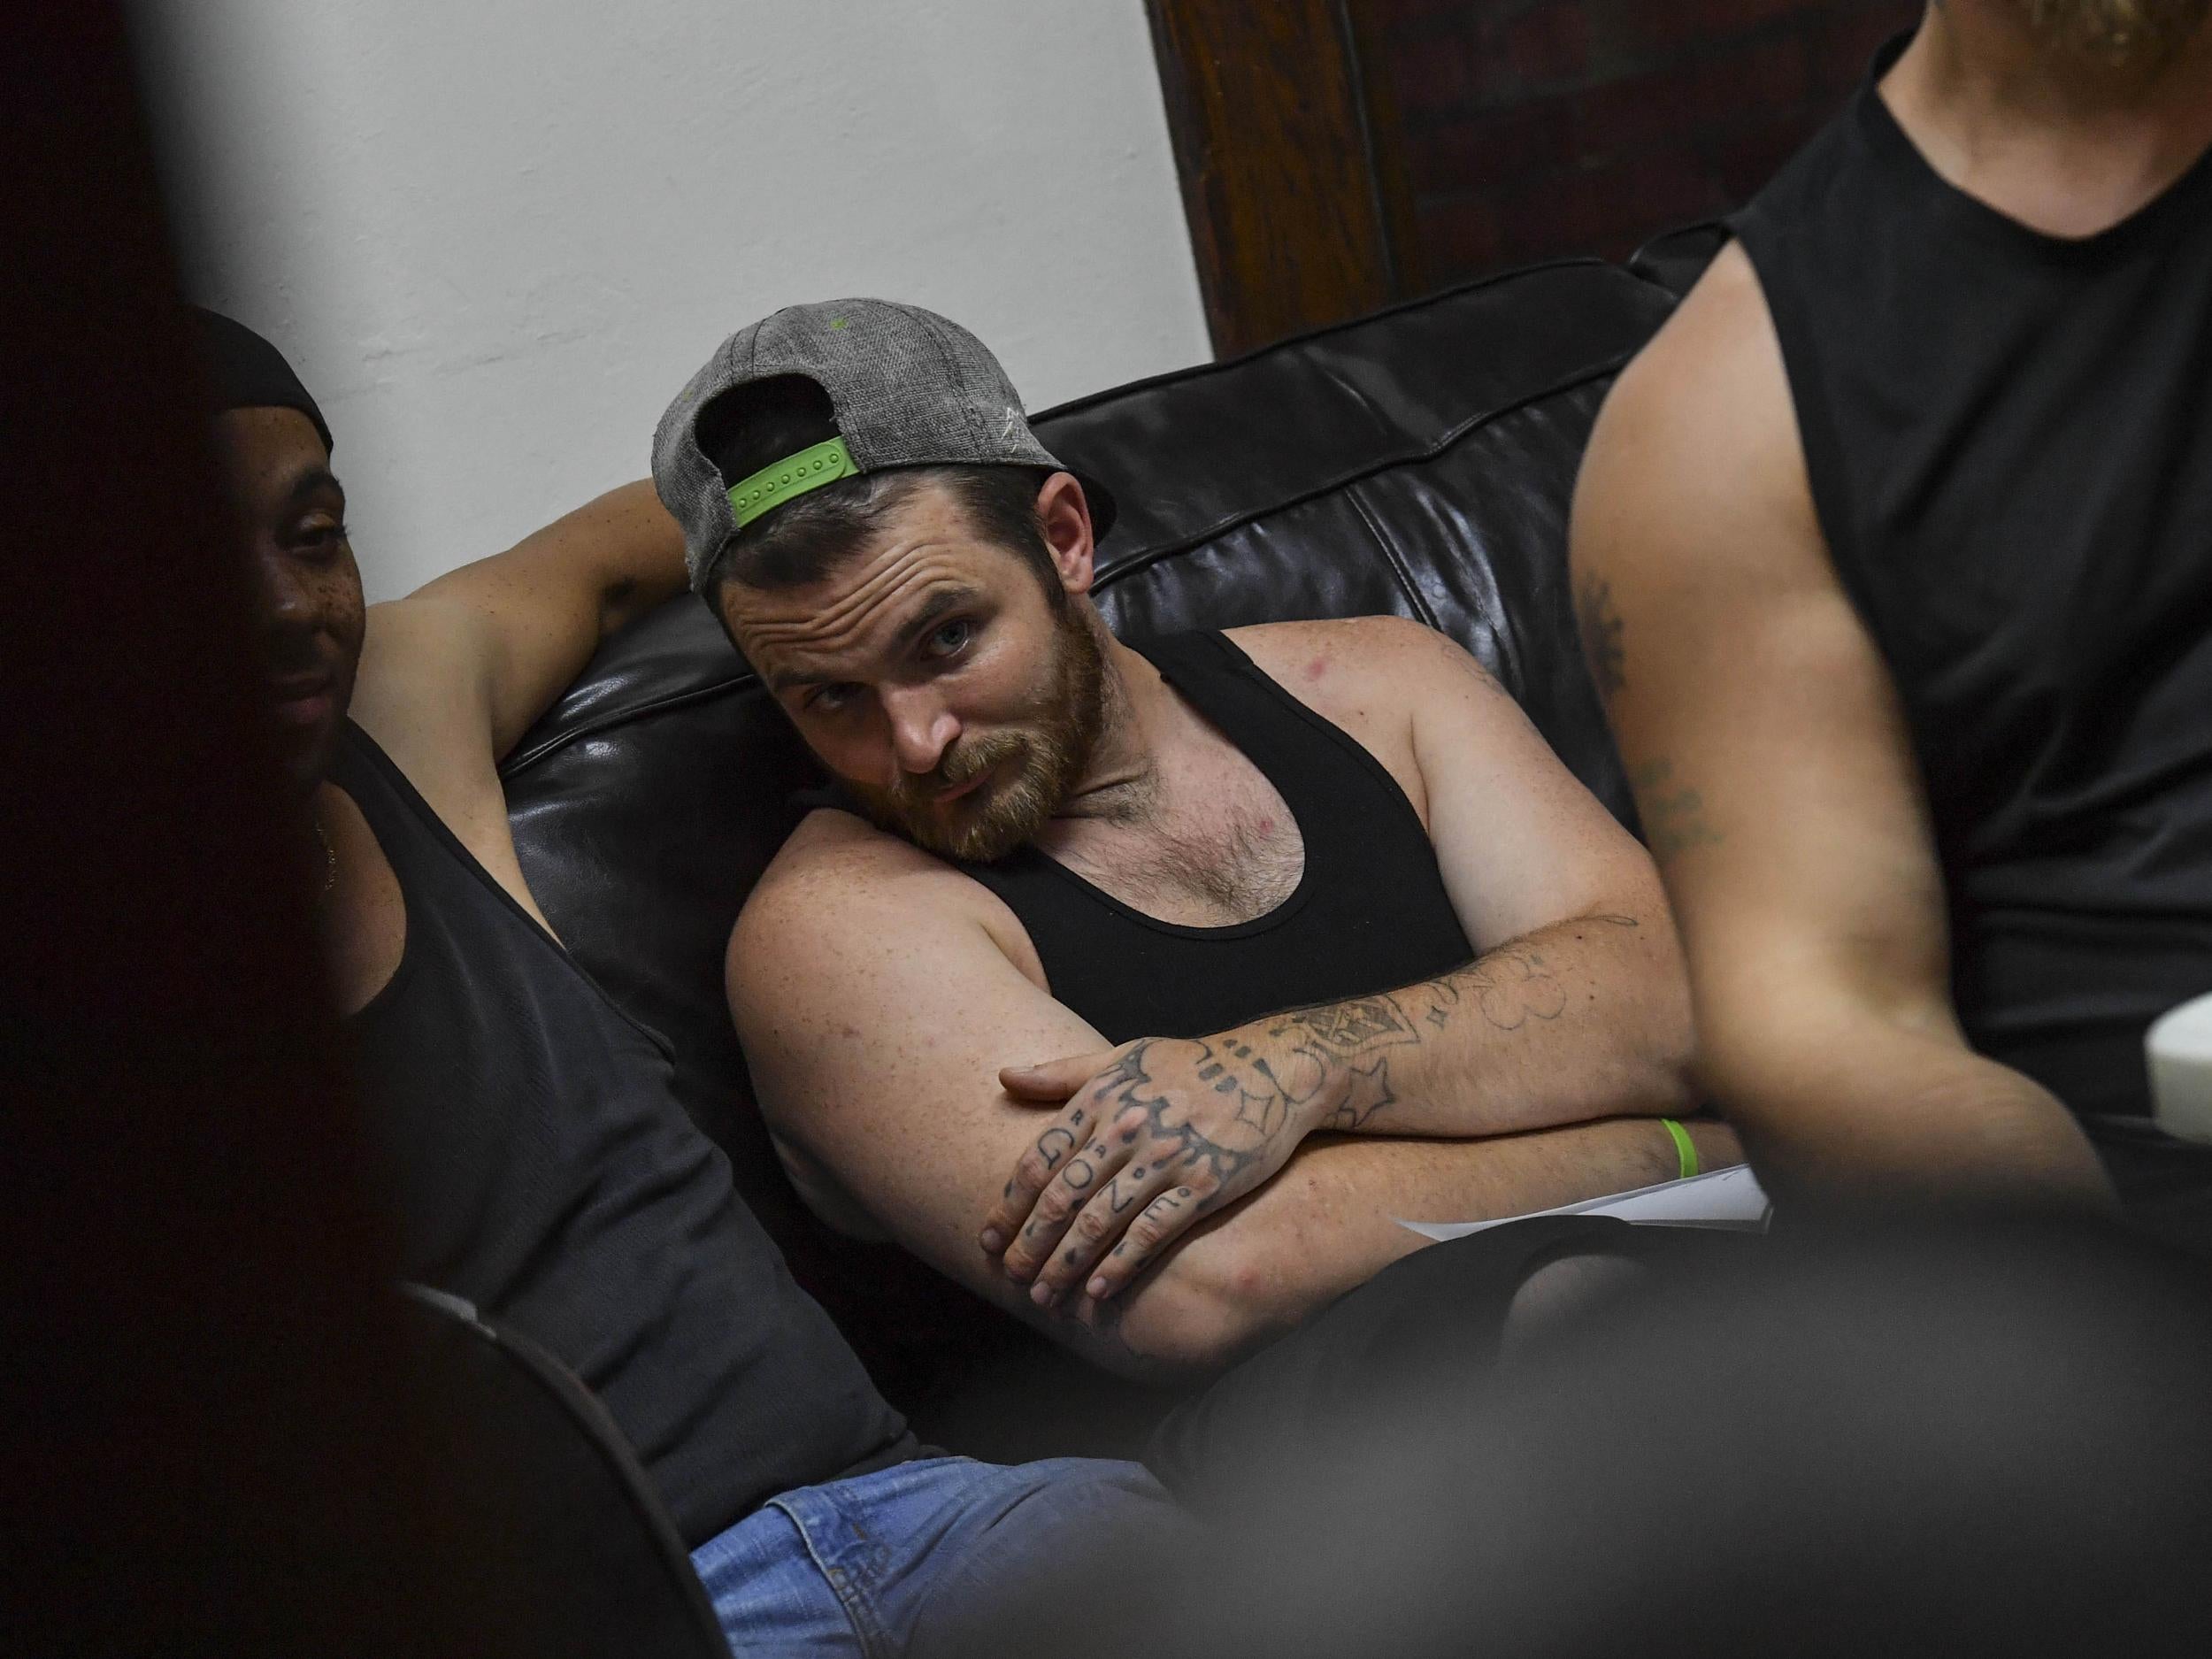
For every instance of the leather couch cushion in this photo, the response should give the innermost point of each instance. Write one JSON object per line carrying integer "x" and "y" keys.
{"x": 1418, "y": 462}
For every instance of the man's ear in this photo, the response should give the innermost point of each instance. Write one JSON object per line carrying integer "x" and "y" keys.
{"x": 1066, "y": 517}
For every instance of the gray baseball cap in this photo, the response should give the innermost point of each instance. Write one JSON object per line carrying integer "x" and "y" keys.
{"x": 906, "y": 387}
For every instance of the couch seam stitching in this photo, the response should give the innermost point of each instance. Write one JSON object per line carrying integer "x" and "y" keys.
{"x": 1423, "y": 613}
{"x": 1147, "y": 557}
{"x": 1199, "y": 370}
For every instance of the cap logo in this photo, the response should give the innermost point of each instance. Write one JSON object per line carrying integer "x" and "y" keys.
{"x": 789, "y": 478}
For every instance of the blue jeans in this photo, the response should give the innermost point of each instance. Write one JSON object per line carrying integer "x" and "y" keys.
{"x": 868, "y": 1566}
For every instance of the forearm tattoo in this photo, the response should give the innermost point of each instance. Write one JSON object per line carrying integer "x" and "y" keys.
{"x": 1175, "y": 1127}
{"x": 1506, "y": 989}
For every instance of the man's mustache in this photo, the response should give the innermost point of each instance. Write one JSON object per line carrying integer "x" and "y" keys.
{"x": 962, "y": 763}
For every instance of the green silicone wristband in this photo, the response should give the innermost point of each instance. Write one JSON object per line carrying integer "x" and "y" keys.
{"x": 793, "y": 476}
{"x": 1685, "y": 1149}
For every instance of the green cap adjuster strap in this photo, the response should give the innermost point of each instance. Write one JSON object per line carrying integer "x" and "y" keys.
{"x": 794, "y": 475}
{"x": 1685, "y": 1149}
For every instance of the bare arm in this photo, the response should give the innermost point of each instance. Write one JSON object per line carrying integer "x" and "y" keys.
{"x": 1330, "y": 1222}
{"x": 513, "y": 630}
{"x": 1576, "y": 1007}
{"x": 1577, "y": 1010}
{"x": 876, "y": 1003}
{"x": 1777, "y": 784}
{"x": 452, "y": 675}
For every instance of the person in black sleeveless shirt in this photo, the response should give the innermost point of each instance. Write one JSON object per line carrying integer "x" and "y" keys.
{"x": 537, "y": 1159}
{"x": 1288, "y": 932}
{"x": 1896, "y": 547}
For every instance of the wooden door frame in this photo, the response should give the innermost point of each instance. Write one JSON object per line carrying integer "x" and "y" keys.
{"x": 1294, "y": 219}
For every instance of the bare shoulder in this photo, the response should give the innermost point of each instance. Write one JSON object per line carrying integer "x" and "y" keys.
{"x": 1378, "y": 679}
{"x": 834, "y": 866}
{"x": 1352, "y": 670}
{"x": 1696, "y": 461}
{"x": 1717, "y": 347}
{"x": 417, "y": 692}
{"x": 1314, "y": 650}
{"x": 1737, "y": 672}
{"x": 839, "y": 886}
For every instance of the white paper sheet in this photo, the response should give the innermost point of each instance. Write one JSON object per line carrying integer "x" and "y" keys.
{"x": 1726, "y": 1198}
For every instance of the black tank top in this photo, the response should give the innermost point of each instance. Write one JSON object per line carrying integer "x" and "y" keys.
{"x": 1369, "y": 912}
{"x": 542, "y": 1168}
{"x": 2009, "y": 437}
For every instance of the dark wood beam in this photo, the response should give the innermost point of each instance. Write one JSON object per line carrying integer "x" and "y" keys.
{"x": 1265, "y": 109}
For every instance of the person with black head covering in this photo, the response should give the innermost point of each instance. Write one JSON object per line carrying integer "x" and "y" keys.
{"x": 538, "y": 1162}
{"x": 274, "y": 449}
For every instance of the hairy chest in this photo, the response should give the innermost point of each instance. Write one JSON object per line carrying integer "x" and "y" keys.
{"x": 1211, "y": 851}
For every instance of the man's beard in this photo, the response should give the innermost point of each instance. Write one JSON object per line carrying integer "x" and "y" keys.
{"x": 2126, "y": 34}
{"x": 1042, "y": 762}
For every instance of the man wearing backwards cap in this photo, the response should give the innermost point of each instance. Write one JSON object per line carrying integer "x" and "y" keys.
{"x": 1019, "y": 997}
{"x": 543, "y": 1167}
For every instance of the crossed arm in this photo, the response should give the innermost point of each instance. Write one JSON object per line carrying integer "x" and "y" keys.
{"x": 1158, "y": 1135}
{"x": 1771, "y": 763}
{"x": 880, "y": 997}
{"x": 1575, "y": 1008}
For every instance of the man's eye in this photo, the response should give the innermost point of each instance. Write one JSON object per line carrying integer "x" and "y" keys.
{"x": 322, "y": 535}
{"x": 830, "y": 699}
{"x": 949, "y": 639}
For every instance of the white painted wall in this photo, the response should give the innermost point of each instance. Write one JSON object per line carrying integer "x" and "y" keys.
{"x": 497, "y": 237}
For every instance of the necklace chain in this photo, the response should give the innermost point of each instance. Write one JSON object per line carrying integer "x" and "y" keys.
{"x": 330, "y": 860}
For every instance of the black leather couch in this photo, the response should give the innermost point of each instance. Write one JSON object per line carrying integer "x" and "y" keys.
{"x": 1418, "y": 462}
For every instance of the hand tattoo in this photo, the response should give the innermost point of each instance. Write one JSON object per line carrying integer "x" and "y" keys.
{"x": 1054, "y": 1145}
{"x": 1128, "y": 1087}
{"x": 1166, "y": 1204}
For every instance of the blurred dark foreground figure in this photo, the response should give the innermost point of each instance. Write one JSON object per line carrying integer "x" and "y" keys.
{"x": 1936, "y": 1443}
{"x": 216, "y": 1436}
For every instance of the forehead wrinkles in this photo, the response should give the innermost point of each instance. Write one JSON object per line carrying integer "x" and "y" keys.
{"x": 835, "y": 625}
